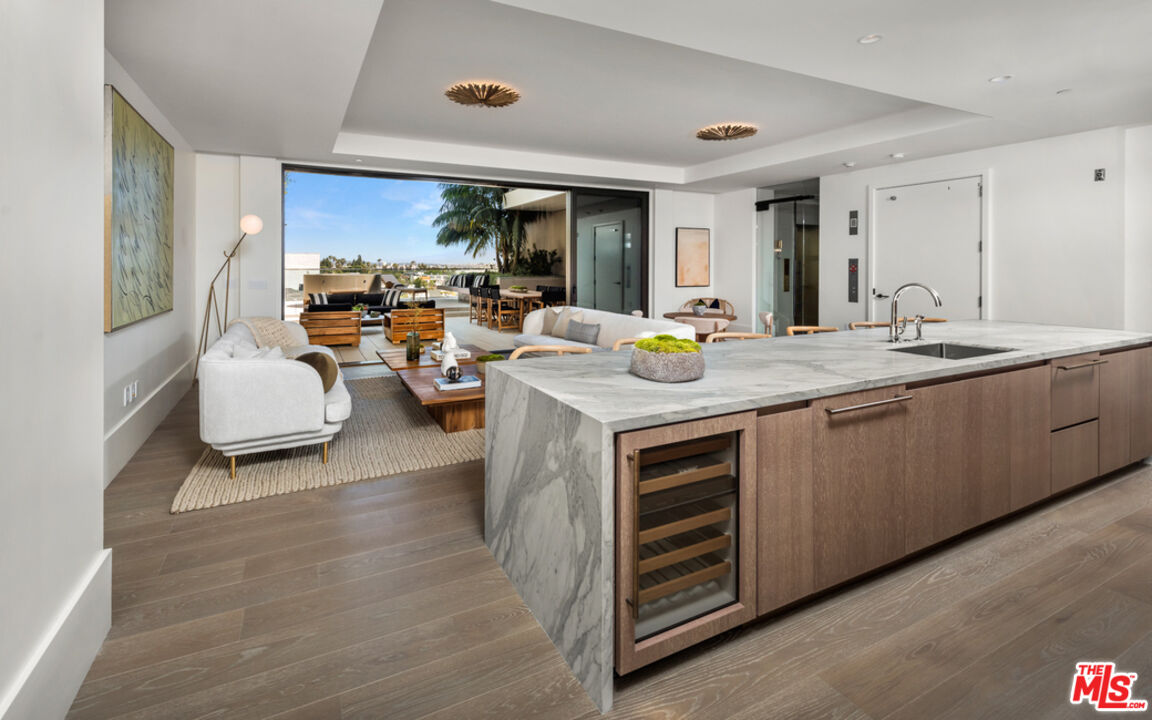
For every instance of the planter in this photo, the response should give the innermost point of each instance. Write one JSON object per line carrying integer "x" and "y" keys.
{"x": 699, "y": 310}
{"x": 481, "y": 365}
{"x": 667, "y": 367}
{"x": 413, "y": 346}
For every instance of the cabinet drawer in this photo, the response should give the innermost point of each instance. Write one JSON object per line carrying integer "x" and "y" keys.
{"x": 1075, "y": 455}
{"x": 1075, "y": 389}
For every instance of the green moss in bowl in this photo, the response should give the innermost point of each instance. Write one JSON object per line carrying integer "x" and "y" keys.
{"x": 491, "y": 357}
{"x": 668, "y": 344}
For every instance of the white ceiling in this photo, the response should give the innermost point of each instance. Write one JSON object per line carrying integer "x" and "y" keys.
{"x": 613, "y": 91}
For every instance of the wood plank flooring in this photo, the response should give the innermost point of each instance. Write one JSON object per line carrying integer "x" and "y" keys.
{"x": 379, "y": 600}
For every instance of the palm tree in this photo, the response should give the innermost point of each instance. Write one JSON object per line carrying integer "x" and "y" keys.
{"x": 474, "y": 215}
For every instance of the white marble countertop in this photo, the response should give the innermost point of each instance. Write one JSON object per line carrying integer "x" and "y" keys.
{"x": 751, "y": 374}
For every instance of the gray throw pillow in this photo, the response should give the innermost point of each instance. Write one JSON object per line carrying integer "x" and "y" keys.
{"x": 582, "y": 332}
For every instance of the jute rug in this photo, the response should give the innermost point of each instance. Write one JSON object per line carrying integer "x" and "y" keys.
{"x": 388, "y": 433}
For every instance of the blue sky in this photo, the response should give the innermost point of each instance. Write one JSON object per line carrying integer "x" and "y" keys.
{"x": 346, "y": 216}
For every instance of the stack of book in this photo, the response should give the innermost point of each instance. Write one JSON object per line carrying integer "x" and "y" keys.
{"x": 464, "y": 383}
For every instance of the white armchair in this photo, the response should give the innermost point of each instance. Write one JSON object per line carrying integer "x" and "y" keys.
{"x": 250, "y": 405}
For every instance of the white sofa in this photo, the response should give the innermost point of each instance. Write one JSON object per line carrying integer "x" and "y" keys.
{"x": 250, "y": 405}
{"x": 613, "y": 327}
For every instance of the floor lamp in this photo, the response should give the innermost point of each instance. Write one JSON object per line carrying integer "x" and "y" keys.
{"x": 249, "y": 225}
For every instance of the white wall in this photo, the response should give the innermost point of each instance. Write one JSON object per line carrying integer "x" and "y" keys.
{"x": 55, "y": 592}
{"x": 227, "y": 188}
{"x": 734, "y": 259}
{"x": 1138, "y": 228}
{"x": 672, "y": 209}
{"x": 157, "y": 353}
{"x": 1055, "y": 244}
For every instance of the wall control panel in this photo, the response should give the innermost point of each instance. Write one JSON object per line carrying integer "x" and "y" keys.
{"x": 853, "y": 280}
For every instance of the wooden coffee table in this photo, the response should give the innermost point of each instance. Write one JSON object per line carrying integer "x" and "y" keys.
{"x": 453, "y": 410}
{"x": 398, "y": 359}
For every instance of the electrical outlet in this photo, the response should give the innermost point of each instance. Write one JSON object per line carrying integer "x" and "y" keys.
{"x": 125, "y": 395}
{"x": 135, "y": 390}
{"x": 1099, "y": 175}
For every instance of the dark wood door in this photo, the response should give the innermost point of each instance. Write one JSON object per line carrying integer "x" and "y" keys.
{"x": 858, "y": 482}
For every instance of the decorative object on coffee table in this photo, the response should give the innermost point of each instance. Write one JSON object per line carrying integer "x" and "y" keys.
{"x": 668, "y": 359}
{"x": 396, "y": 358}
{"x": 483, "y": 360}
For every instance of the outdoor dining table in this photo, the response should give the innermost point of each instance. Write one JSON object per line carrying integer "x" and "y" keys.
{"x": 522, "y": 299}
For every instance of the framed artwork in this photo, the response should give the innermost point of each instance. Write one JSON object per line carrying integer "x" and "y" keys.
{"x": 692, "y": 254}
{"x": 139, "y": 167}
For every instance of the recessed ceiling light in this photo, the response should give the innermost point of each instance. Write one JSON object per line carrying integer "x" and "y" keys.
{"x": 896, "y": 156}
{"x": 1061, "y": 91}
{"x": 359, "y": 160}
{"x": 727, "y": 131}
{"x": 850, "y": 163}
{"x": 869, "y": 39}
{"x": 482, "y": 94}
{"x": 1000, "y": 79}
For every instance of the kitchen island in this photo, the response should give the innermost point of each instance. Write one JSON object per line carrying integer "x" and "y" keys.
{"x": 814, "y": 460}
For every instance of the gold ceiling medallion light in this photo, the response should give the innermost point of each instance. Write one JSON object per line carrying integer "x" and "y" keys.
{"x": 726, "y": 131}
{"x": 482, "y": 94}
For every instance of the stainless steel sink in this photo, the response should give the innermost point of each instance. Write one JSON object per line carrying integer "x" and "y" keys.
{"x": 950, "y": 351}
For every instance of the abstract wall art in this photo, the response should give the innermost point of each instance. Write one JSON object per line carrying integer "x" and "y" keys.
{"x": 138, "y": 216}
{"x": 692, "y": 256}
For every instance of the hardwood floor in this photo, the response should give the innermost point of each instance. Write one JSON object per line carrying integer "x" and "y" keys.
{"x": 379, "y": 600}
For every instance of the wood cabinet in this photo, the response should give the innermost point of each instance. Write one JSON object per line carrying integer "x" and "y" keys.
{"x": 784, "y": 549}
{"x": 977, "y": 449}
{"x": 685, "y": 535}
{"x": 1115, "y": 436}
{"x": 1140, "y": 410}
{"x": 1075, "y": 389}
{"x": 858, "y": 459}
{"x": 1075, "y": 455}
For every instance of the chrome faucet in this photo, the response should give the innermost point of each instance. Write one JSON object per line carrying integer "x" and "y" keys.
{"x": 896, "y": 328}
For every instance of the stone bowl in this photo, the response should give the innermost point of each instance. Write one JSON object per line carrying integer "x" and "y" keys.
{"x": 667, "y": 367}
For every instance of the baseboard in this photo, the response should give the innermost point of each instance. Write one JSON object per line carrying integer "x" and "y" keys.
{"x": 53, "y": 674}
{"x": 126, "y": 437}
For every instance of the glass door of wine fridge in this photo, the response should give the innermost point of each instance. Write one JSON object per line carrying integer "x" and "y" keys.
{"x": 685, "y": 535}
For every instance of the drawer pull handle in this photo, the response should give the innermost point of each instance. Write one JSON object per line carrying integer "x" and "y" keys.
{"x": 878, "y": 403}
{"x": 1090, "y": 363}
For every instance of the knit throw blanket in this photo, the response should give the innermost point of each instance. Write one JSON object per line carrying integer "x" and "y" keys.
{"x": 268, "y": 332}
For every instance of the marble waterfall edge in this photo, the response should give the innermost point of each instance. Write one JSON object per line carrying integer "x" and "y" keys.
{"x": 548, "y": 520}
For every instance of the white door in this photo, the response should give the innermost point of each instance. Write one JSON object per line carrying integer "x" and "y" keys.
{"x": 928, "y": 233}
{"x": 608, "y": 244}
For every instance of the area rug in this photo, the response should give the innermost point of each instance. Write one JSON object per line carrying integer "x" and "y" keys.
{"x": 388, "y": 433}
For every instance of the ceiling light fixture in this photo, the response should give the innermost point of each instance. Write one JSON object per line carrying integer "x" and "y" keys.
{"x": 869, "y": 39}
{"x": 727, "y": 131}
{"x": 1000, "y": 79}
{"x": 850, "y": 163}
{"x": 1062, "y": 91}
{"x": 482, "y": 94}
{"x": 896, "y": 156}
